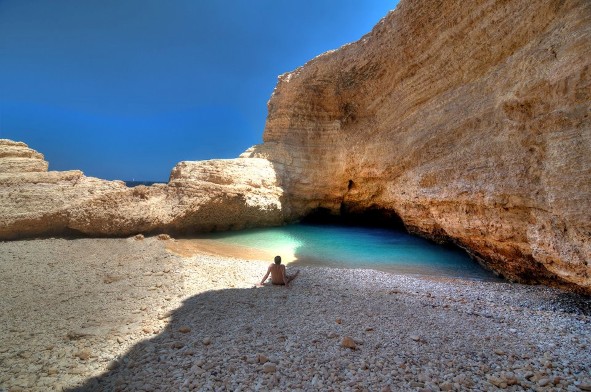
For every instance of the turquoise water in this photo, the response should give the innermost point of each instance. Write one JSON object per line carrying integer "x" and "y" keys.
{"x": 358, "y": 247}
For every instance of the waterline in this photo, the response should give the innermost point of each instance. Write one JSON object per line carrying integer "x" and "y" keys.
{"x": 347, "y": 247}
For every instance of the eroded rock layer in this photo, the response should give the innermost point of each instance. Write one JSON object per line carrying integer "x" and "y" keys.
{"x": 17, "y": 157}
{"x": 201, "y": 196}
{"x": 470, "y": 121}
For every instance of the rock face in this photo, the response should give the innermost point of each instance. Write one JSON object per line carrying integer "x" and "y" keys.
{"x": 201, "y": 196}
{"x": 16, "y": 157}
{"x": 471, "y": 123}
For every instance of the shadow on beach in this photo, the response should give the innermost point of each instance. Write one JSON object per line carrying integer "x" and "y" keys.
{"x": 291, "y": 338}
{"x": 212, "y": 335}
{"x": 208, "y": 321}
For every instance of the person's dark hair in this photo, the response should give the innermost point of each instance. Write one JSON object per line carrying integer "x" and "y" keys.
{"x": 277, "y": 259}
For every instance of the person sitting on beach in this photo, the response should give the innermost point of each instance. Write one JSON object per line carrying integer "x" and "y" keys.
{"x": 278, "y": 274}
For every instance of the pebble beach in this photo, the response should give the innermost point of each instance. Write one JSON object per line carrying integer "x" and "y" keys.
{"x": 130, "y": 315}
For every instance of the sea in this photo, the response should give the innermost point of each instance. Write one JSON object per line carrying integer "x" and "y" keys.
{"x": 384, "y": 249}
{"x": 134, "y": 183}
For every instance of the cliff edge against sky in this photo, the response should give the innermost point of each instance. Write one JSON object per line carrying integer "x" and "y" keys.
{"x": 200, "y": 196}
{"x": 470, "y": 122}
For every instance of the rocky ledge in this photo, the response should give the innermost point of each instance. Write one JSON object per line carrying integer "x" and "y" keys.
{"x": 470, "y": 123}
{"x": 200, "y": 196}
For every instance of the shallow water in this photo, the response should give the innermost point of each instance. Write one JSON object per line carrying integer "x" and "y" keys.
{"x": 350, "y": 247}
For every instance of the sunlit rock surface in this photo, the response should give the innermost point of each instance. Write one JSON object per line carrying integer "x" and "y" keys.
{"x": 471, "y": 121}
{"x": 201, "y": 196}
{"x": 16, "y": 157}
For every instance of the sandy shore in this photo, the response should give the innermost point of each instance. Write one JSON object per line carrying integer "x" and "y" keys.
{"x": 122, "y": 314}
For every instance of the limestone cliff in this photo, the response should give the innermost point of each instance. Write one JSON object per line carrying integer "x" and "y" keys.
{"x": 201, "y": 196}
{"x": 471, "y": 121}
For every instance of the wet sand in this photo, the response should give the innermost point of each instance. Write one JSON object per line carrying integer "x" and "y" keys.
{"x": 196, "y": 246}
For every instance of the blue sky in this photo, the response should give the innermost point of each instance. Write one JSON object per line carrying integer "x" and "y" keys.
{"x": 126, "y": 89}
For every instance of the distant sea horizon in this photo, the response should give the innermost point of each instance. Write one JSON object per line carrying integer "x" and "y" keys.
{"x": 134, "y": 183}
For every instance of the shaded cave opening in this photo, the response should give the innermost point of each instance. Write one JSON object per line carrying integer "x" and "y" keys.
{"x": 378, "y": 217}
{"x": 347, "y": 216}
{"x": 376, "y": 238}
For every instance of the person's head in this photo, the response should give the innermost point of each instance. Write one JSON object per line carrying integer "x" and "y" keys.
{"x": 277, "y": 259}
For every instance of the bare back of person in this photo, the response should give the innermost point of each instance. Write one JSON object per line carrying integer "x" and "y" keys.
{"x": 278, "y": 274}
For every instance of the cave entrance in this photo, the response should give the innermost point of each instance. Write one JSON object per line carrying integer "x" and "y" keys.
{"x": 374, "y": 239}
{"x": 349, "y": 216}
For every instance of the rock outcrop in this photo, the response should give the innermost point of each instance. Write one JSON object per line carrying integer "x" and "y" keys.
{"x": 201, "y": 196}
{"x": 17, "y": 157}
{"x": 469, "y": 121}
